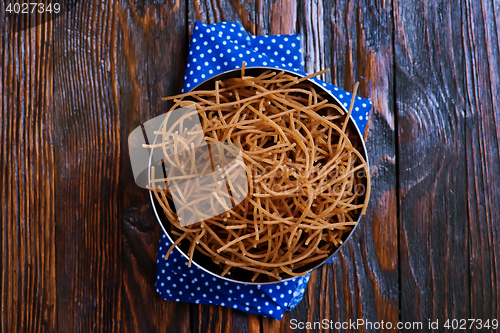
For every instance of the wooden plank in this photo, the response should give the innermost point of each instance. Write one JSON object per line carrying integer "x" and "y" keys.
{"x": 354, "y": 39}
{"x": 215, "y": 11}
{"x": 274, "y": 17}
{"x": 87, "y": 139}
{"x": 151, "y": 56}
{"x": 481, "y": 21}
{"x": 207, "y": 318}
{"x": 217, "y": 319}
{"x": 369, "y": 267}
{"x": 434, "y": 244}
{"x": 27, "y": 179}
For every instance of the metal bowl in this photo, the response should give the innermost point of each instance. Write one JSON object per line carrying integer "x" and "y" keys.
{"x": 239, "y": 275}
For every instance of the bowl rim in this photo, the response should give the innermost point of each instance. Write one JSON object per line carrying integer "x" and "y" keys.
{"x": 349, "y": 236}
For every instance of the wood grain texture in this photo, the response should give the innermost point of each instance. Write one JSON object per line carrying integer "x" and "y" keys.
{"x": 431, "y": 155}
{"x": 217, "y": 319}
{"x": 79, "y": 239}
{"x": 87, "y": 139}
{"x": 276, "y": 17}
{"x": 363, "y": 282}
{"x": 216, "y": 11}
{"x": 481, "y": 42}
{"x": 151, "y": 57}
{"x": 27, "y": 179}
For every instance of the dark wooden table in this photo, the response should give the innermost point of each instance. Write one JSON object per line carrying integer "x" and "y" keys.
{"x": 79, "y": 239}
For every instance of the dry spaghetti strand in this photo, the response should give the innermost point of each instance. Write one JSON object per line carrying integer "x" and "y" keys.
{"x": 307, "y": 178}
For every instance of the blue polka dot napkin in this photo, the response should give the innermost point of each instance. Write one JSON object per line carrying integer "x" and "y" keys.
{"x": 176, "y": 281}
{"x": 214, "y": 49}
{"x": 220, "y": 47}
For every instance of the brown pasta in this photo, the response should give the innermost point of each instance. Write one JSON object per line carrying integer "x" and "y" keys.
{"x": 306, "y": 175}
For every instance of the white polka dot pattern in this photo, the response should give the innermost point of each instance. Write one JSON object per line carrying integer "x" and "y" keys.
{"x": 215, "y": 49}
{"x": 176, "y": 281}
{"x": 231, "y": 45}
